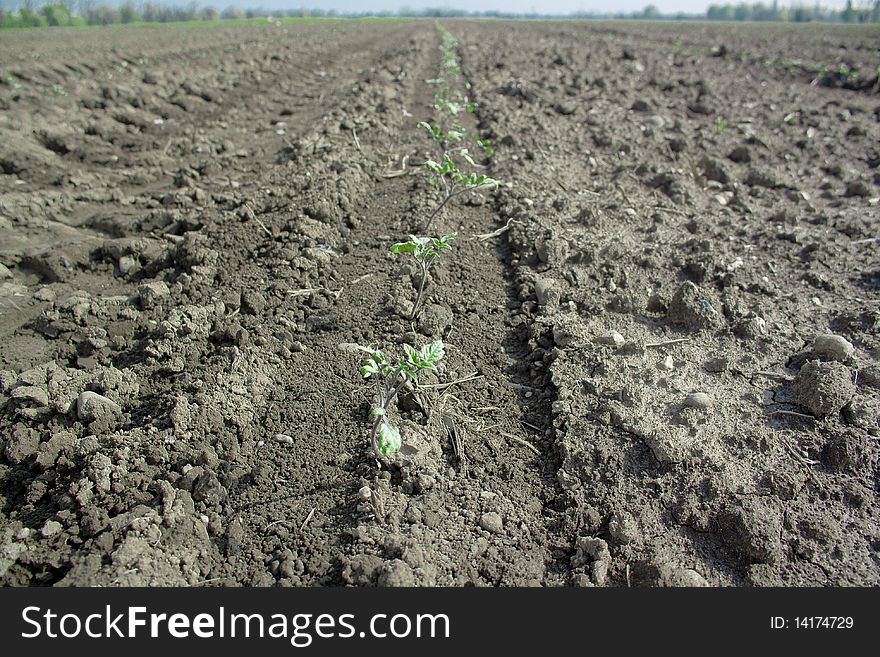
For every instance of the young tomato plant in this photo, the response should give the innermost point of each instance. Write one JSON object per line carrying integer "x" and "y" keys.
{"x": 452, "y": 181}
{"x": 390, "y": 378}
{"x": 425, "y": 251}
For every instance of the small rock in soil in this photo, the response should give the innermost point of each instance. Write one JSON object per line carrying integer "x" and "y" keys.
{"x": 150, "y": 293}
{"x": 45, "y": 294}
{"x": 403, "y": 307}
{"x": 91, "y": 406}
{"x": 51, "y": 528}
{"x": 593, "y": 551}
{"x": 33, "y": 394}
{"x": 824, "y": 388}
{"x": 857, "y": 188}
{"x": 612, "y": 338}
{"x": 751, "y": 328}
{"x": 740, "y": 154}
{"x": 492, "y": 522}
{"x": 127, "y": 265}
{"x": 717, "y": 365}
{"x": 698, "y": 400}
{"x": 545, "y": 291}
{"x": 833, "y": 347}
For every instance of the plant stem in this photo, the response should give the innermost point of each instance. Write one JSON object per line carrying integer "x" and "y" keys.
{"x": 421, "y": 292}
{"x": 447, "y": 195}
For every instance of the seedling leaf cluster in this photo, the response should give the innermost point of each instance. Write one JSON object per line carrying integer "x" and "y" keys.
{"x": 391, "y": 377}
{"x": 425, "y": 251}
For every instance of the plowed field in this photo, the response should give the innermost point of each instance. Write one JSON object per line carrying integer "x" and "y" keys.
{"x": 661, "y": 330}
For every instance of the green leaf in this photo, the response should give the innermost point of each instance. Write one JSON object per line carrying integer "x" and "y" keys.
{"x": 435, "y": 166}
{"x": 403, "y": 247}
{"x": 440, "y": 243}
{"x": 369, "y": 368}
{"x": 377, "y": 411}
{"x": 388, "y": 439}
{"x": 467, "y": 156}
{"x": 431, "y": 354}
{"x": 412, "y": 356}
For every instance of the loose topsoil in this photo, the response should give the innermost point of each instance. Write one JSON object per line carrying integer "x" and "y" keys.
{"x": 661, "y": 330}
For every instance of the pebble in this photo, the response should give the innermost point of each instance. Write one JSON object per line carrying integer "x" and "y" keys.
{"x": 824, "y": 388}
{"x": 51, "y": 528}
{"x": 698, "y": 400}
{"x": 31, "y": 393}
{"x": 284, "y": 438}
{"x": 833, "y": 347}
{"x": 91, "y": 406}
{"x": 365, "y": 493}
{"x": 492, "y": 522}
{"x": 127, "y": 265}
{"x": 544, "y": 291}
{"x": 717, "y": 364}
{"x": 666, "y": 364}
{"x": 150, "y": 293}
{"x": 44, "y": 294}
{"x": 613, "y": 338}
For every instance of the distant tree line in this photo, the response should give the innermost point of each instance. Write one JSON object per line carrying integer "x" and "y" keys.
{"x": 797, "y": 13}
{"x": 34, "y": 13}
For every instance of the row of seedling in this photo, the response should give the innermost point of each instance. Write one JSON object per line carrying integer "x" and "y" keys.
{"x": 451, "y": 171}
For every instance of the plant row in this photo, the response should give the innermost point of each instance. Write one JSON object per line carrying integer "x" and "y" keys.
{"x": 451, "y": 171}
